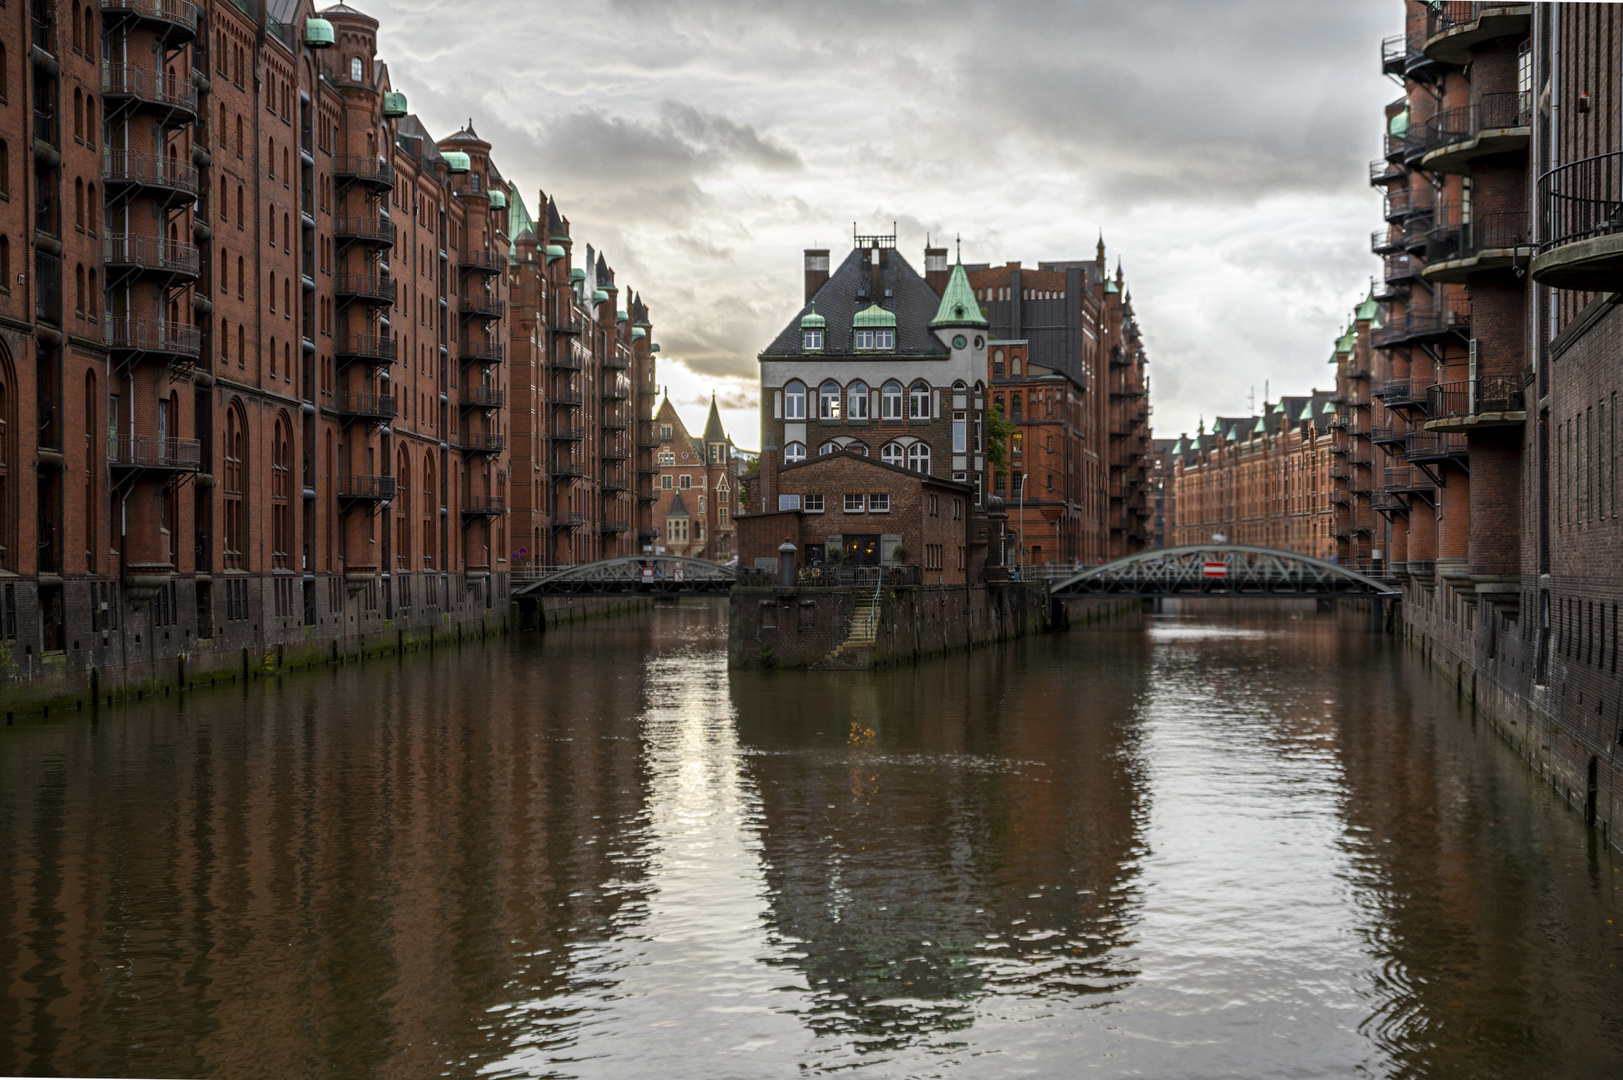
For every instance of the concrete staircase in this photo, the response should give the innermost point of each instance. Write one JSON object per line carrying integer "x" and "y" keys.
{"x": 856, "y": 651}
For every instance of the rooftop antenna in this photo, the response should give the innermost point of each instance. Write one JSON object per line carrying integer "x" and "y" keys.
{"x": 958, "y": 241}
{"x": 1252, "y": 398}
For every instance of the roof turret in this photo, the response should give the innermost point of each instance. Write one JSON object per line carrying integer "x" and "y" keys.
{"x": 713, "y": 431}
{"x": 958, "y": 304}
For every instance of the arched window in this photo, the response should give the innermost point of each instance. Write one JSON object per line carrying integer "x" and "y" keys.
{"x": 240, "y": 276}
{"x": 287, "y": 232}
{"x": 79, "y": 289}
{"x": 918, "y": 457}
{"x": 79, "y": 204}
{"x": 402, "y": 510}
{"x": 5, "y": 74}
{"x": 355, "y": 69}
{"x": 273, "y": 292}
{"x": 890, "y": 401}
{"x": 918, "y": 401}
{"x": 273, "y": 357}
{"x": 893, "y": 454}
{"x": 828, "y": 401}
{"x": 1014, "y": 408}
{"x": 828, "y": 448}
{"x": 78, "y": 103}
{"x": 281, "y": 487}
{"x": 91, "y": 221}
{"x": 856, "y": 397}
{"x": 239, "y": 197}
{"x": 236, "y": 455}
{"x": 997, "y": 363}
{"x": 430, "y": 502}
{"x": 90, "y": 34}
{"x": 8, "y": 454}
{"x": 794, "y": 400}
{"x": 795, "y": 451}
{"x": 239, "y": 154}
{"x": 224, "y": 133}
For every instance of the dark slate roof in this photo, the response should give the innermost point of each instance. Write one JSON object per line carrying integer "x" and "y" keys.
{"x": 713, "y": 431}
{"x": 844, "y": 294}
{"x": 677, "y": 509}
{"x": 605, "y": 276}
{"x": 336, "y": 9}
{"x": 555, "y": 221}
{"x": 466, "y": 135}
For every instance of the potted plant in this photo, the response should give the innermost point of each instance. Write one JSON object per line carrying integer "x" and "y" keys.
{"x": 899, "y": 553}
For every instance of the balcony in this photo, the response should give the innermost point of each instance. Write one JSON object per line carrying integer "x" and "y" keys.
{"x": 614, "y": 485}
{"x": 364, "y": 170}
{"x": 481, "y": 262}
{"x": 152, "y": 255}
{"x": 160, "y": 339}
{"x": 369, "y": 229}
{"x": 367, "y": 348}
{"x": 1493, "y": 124}
{"x": 176, "y": 98}
{"x": 1580, "y": 208}
{"x": 1436, "y": 446}
{"x": 1399, "y": 204}
{"x": 569, "y": 520}
{"x": 615, "y": 423}
{"x": 1431, "y": 323}
{"x": 567, "y": 433}
{"x": 610, "y": 452}
{"x": 568, "y": 324}
{"x": 617, "y": 390}
{"x": 154, "y": 453}
{"x": 1389, "y": 434}
{"x": 567, "y": 468}
{"x": 1402, "y": 269}
{"x": 1402, "y": 392}
{"x": 1498, "y": 241}
{"x": 177, "y": 17}
{"x": 483, "y": 505}
{"x": 617, "y": 361}
{"x": 167, "y": 178}
{"x": 1406, "y": 480}
{"x": 374, "y": 288}
{"x": 481, "y": 397}
{"x": 567, "y": 399}
{"x": 360, "y": 405}
{"x": 613, "y": 525}
{"x": 482, "y": 306}
{"x": 1453, "y": 29}
{"x": 474, "y": 351}
{"x": 481, "y": 442}
{"x": 568, "y": 360}
{"x": 365, "y": 488}
{"x": 1382, "y": 171}
{"x": 1488, "y": 401}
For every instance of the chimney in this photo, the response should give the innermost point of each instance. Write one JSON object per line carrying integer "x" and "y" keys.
{"x": 876, "y": 258}
{"x": 816, "y": 271}
{"x": 769, "y": 474}
{"x": 936, "y": 270}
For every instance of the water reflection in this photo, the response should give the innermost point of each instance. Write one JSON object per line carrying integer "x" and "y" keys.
{"x": 1243, "y": 843}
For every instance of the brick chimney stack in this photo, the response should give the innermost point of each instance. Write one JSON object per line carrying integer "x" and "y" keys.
{"x": 936, "y": 268}
{"x": 816, "y": 271}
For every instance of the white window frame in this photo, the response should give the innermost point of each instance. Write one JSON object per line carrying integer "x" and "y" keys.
{"x": 884, "y": 339}
{"x": 918, "y": 401}
{"x": 862, "y": 339}
{"x": 788, "y": 502}
{"x": 794, "y": 401}
{"x": 892, "y": 401}
{"x": 856, "y": 401}
{"x": 811, "y": 340}
{"x": 857, "y": 507}
{"x": 960, "y": 433}
{"x": 894, "y": 454}
{"x": 917, "y": 454}
{"x": 795, "y": 451}
{"x": 828, "y": 404}
{"x": 879, "y": 504}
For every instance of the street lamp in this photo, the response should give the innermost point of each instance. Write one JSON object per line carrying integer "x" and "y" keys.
{"x": 1022, "y": 564}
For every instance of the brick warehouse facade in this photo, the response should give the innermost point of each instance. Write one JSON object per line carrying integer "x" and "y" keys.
{"x": 698, "y": 498}
{"x": 1494, "y": 378}
{"x": 277, "y": 368}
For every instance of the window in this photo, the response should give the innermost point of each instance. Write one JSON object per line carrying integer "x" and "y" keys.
{"x": 794, "y": 400}
{"x": 355, "y": 69}
{"x": 812, "y": 340}
{"x": 862, "y": 339}
{"x": 893, "y": 454}
{"x": 853, "y": 503}
{"x": 879, "y": 504}
{"x": 960, "y": 434}
{"x": 890, "y": 401}
{"x": 814, "y": 504}
{"x": 1014, "y": 408}
{"x": 918, "y": 458}
{"x": 830, "y": 447}
{"x": 665, "y": 431}
{"x": 788, "y": 502}
{"x": 918, "y": 401}
{"x": 856, "y": 397}
{"x": 686, "y": 482}
{"x": 281, "y": 484}
{"x": 884, "y": 339}
{"x": 828, "y": 401}
{"x": 794, "y": 452}
{"x": 665, "y": 482}
{"x": 997, "y": 363}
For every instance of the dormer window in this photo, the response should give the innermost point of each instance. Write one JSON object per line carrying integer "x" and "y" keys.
{"x": 812, "y": 340}
{"x": 873, "y": 330}
{"x": 874, "y": 339}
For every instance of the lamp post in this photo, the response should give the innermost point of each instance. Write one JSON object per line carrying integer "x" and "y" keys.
{"x": 1022, "y": 526}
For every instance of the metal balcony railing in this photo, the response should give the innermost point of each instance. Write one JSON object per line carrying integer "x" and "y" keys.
{"x": 568, "y": 360}
{"x": 141, "y": 335}
{"x": 364, "y": 169}
{"x": 1581, "y": 200}
{"x": 1401, "y": 392}
{"x": 154, "y": 452}
{"x": 181, "y": 14}
{"x": 617, "y": 390}
{"x": 376, "y": 488}
{"x": 151, "y": 87}
{"x": 1504, "y": 230}
{"x": 1486, "y": 394}
{"x": 364, "y": 404}
{"x": 568, "y": 324}
{"x": 1434, "y": 445}
{"x": 488, "y": 307}
{"x": 1388, "y": 434}
{"x": 150, "y": 170}
{"x": 365, "y": 347}
{"x": 565, "y": 398}
{"x": 567, "y": 433}
{"x": 1434, "y": 321}
{"x": 1401, "y": 268}
{"x": 488, "y": 262}
{"x": 157, "y": 253}
{"x": 366, "y": 228}
{"x": 483, "y": 442}
{"x": 613, "y": 525}
{"x": 568, "y": 468}
{"x": 1382, "y": 171}
{"x": 616, "y": 361}
{"x": 483, "y": 504}
{"x": 610, "y": 452}
{"x": 379, "y": 287}
{"x": 615, "y": 423}
{"x": 1406, "y": 478}
{"x": 482, "y": 397}
{"x": 1489, "y": 112}
{"x": 475, "y": 351}
{"x": 568, "y": 520}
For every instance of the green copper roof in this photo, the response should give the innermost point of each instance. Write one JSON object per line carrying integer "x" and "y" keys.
{"x": 654, "y": 347}
{"x": 874, "y": 315}
{"x": 958, "y": 304}
{"x": 554, "y": 252}
{"x": 1345, "y": 343}
{"x": 812, "y": 321}
{"x": 1260, "y": 427}
{"x": 498, "y": 199}
{"x": 1369, "y": 308}
{"x": 621, "y": 316}
{"x": 638, "y": 333}
{"x": 1177, "y": 447}
{"x": 599, "y": 295}
{"x": 457, "y": 161}
{"x": 1231, "y": 437}
{"x": 1399, "y": 124}
{"x": 1329, "y": 409}
{"x": 577, "y": 274}
{"x": 318, "y": 34}
{"x": 394, "y": 104}
{"x": 1110, "y": 287}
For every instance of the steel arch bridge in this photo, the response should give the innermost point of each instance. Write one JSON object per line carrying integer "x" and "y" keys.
{"x": 630, "y": 574}
{"x": 1221, "y": 570}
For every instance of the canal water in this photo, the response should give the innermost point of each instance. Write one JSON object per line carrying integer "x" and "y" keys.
{"x": 1253, "y": 843}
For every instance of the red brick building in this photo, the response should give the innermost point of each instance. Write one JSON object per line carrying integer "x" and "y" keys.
{"x": 255, "y": 381}
{"x": 697, "y": 500}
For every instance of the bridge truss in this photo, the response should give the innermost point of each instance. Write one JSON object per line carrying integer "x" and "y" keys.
{"x": 630, "y": 574}
{"x": 1221, "y": 570}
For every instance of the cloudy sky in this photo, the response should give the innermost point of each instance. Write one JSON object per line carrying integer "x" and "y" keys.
{"x": 1222, "y": 147}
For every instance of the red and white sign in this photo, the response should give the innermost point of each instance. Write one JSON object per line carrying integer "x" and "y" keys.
{"x": 1216, "y": 569}
{"x": 680, "y": 576}
{"x": 648, "y": 574}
